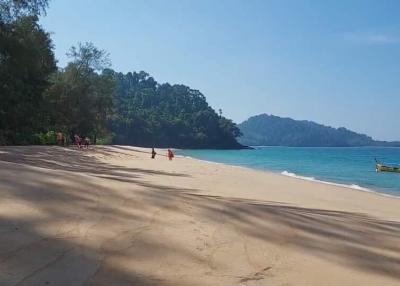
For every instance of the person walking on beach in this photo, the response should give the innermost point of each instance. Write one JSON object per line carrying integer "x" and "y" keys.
{"x": 77, "y": 140}
{"x": 153, "y": 153}
{"x": 60, "y": 139}
{"x": 86, "y": 142}
{"x": 170, "y": 155}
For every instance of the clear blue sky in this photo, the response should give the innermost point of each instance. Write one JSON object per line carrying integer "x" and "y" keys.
{"x": 334, "y": 62}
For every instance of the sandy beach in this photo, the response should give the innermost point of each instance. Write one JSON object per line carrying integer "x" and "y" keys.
{"x": 113, "y": 216}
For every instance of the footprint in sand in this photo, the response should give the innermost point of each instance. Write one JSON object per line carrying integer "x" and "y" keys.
{"x": 255, "y": 276}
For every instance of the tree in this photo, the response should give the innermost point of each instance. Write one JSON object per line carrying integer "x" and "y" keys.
{"x": 11, "y": 10}
{"x": 88, "y": 98}
{"x": 26, "y": 62}
{"x": 88, "y": 58}
{"x": 81, "y": 95}
{"x": 164, "y": 115}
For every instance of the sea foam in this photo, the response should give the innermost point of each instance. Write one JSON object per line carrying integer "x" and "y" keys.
{"x": 351, "y": 186}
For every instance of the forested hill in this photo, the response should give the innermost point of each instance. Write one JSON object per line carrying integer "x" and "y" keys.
{"x": 270, "y": 130}
{"x": 87, "y": 98}
{"x": 151, "y": 114}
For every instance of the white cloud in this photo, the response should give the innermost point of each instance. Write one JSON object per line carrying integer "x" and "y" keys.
{"x": 372, "y": 38}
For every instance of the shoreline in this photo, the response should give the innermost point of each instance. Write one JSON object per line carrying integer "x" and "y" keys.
{"x": 317, "y": 184}
{"x": 285, "y": 173}
{"x": 351, "y": 187}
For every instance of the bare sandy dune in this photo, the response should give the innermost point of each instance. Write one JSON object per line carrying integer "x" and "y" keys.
{"x": 113, "y": 216}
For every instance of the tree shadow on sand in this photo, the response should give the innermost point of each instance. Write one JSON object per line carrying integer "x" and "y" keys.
{"x": 75, "y": 160}
{"x": 61, "y": 228}
{"x": 355, "y": 239}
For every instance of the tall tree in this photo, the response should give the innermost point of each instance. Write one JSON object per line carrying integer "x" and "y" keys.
{"x": 81, "y": 96}
{"x": 26, "y": 62}
{"x": 11, "y": 10}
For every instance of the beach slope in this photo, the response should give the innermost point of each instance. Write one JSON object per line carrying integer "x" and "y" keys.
{"x": 113, "y": 216}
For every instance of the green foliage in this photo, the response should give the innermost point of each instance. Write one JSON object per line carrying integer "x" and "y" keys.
{"x": 164, "y": 115}
{"x": 80, "y": 99}
{"x": 48, "y": 138}
{"x": 272, "y": 130}
{"x": 11, "y": 10}
{"x": 88, "y": 58}
{"x": 87, "y": 98}
{"x": 105, "y": 139}
{"x": 26, "y": 62}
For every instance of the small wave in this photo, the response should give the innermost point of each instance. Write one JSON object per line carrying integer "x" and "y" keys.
{"x": 352, "y": 186}
{"x": 357, "y": 187}
{"x": 289, "y": 174}
{"x": 201, "y": 160}
{"x": 293, "y": 175}
{"x": 183, "y": 156}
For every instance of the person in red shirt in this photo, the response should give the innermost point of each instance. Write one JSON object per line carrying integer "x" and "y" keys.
{"x": 170, "y": 155}
{"x": 77, "y": 140}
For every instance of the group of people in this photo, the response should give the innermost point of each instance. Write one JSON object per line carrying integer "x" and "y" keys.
{"x": 81, "y": 142}
{"x": 76, "y": 139}
{"x": 170, "y": 154}
{"x": 85, "y": 142}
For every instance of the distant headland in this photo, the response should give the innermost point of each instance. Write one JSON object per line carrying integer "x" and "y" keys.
{"x": 270, "y": 130}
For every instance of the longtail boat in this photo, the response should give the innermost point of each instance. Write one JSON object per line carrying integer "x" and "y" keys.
{"x": 387, "y": 168}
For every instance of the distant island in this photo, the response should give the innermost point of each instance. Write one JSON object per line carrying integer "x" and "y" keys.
{"x": 270, "y": 130}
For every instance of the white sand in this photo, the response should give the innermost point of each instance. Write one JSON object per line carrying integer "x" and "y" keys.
{"x": 113, "y": 216}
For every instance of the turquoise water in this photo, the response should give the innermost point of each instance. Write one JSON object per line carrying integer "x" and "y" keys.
{"x": 354, "y": 167}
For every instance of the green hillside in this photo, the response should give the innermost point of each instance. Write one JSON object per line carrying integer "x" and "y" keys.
{"x": 270, "y": 130}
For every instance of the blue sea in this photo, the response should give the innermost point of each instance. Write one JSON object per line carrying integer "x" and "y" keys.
{"x": 353, "y": 167}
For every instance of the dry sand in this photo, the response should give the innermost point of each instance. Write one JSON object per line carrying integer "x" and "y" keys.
{"x": 112, "y": 216}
